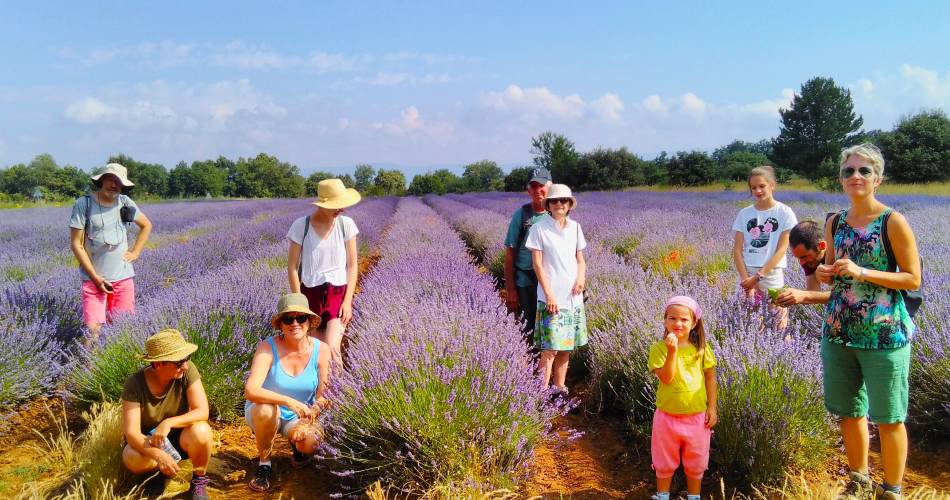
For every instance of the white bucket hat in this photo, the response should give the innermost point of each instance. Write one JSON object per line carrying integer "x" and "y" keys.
{"x": 560, "y": 191}
{"x": 332, "y": 194}
{"x": 117, "y": 170}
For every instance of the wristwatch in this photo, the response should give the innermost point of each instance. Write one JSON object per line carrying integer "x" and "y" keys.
{"x": 864, "y": 274}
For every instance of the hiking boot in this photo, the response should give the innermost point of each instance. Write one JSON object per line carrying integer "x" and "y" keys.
{"x": 298, "y": 458}
{"x": 199, "y": 488}
{"x": 881, "y": 493}
{"x": 261, "y": 481}
{"x": 858, "y": 487}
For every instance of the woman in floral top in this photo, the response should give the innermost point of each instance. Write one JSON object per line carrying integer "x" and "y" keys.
{"x": 866, "y": 336}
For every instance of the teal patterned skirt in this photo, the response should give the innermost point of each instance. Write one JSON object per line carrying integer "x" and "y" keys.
{"x": 562, "y": 332}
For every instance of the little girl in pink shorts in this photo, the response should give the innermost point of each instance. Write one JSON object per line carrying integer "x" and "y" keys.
{"x": 685, "y": 399}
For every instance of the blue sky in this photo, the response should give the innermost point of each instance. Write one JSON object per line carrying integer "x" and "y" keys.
{"x": 422, "y": 85}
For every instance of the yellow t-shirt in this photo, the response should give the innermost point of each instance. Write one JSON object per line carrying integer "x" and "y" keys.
{"x": 687, "y": 394}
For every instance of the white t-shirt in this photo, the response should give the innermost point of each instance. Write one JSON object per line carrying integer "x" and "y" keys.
{"x": 324, "y": 261}
{"x": 761, "y": 230}
{"x": 558, "y": 257}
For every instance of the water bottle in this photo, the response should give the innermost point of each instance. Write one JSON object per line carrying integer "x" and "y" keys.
{"x": 168, "y": 448}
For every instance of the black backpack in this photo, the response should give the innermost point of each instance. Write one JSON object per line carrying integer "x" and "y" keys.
{"x": 913, "y": 299}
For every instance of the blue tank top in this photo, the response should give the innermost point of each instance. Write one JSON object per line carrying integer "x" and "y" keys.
{"x": 302, "y": 387}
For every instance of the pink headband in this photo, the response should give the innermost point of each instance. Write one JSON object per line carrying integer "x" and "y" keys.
{"x": 687, "y": 302}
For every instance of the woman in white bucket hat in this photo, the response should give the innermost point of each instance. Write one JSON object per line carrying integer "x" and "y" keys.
{"x": 322, "y": 261}
{"x": 557, "y": 245}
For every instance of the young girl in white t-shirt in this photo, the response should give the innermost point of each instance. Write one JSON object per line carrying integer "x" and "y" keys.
{"x": 557, "y": 245}
{"x": 761, "y": 237}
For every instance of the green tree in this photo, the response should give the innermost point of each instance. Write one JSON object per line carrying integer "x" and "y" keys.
{"x": 735, "y": 166}
{"x": 819, "y": 123}
{"x": 691, "y": 169}
{"x": 265, "y": 176}
{"x": 149, "y": 178}
{"x": 605, "y": 169}
{"x": 209, "y": 178}
{"x": 518, "y": 178}
{"x": 363, "y": 177}
{"x": 180, "y": 180}
{"x": 347, "y": 180}
{"x": 439, "y": 182}
{"x": 918, "y": 149}
{"x": 483, "y": 176}
{"x": 556, "y": 153}
{"x": 314, "y": 179}
{"x": 389, "y": 183}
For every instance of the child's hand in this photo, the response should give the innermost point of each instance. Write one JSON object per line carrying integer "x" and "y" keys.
{"x": 672, "y": 342}
{"x": 712, "y": 417}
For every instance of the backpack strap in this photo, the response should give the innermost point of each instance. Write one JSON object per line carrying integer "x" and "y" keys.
{"x": 306, "y": 229}
{"x": 527, "y": 211}
{"x": 888, "y": 250}
{"x": 85, "y": 227}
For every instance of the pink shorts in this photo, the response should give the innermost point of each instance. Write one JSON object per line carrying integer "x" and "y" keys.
{"x": 99, "y": 307}
{"x": 680, "y": 437}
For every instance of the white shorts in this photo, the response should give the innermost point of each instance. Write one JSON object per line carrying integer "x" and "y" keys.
{"x": 774, "y": 279}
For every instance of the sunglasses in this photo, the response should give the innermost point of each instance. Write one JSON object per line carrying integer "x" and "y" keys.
{"x": 864, "y": 172}
{"x": 179, "y": 364}
{"x": 289, "y": 320}
{"x": 555, "y": 201}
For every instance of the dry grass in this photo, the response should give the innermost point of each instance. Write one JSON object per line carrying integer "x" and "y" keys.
{"x": 89, "y": 467}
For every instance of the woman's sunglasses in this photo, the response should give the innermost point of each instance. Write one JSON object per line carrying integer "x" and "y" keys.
{"x": 864, "y": 172}
{"x": 555, "y": 201}
{"x": 289, "y": 320}
{"x": 179, "y": 364}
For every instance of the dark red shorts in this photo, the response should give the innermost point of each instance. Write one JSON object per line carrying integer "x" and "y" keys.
{"x": 325, "y": 300}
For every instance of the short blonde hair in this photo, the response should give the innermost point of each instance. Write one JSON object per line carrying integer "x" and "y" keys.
{"x": 764, "y": 171}
{"x": 869, "y": 152}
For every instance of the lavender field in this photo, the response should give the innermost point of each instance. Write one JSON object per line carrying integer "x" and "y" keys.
{"x": 439, "y": 394}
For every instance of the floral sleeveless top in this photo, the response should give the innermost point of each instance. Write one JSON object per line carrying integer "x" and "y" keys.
{"x": 862, "y": 314}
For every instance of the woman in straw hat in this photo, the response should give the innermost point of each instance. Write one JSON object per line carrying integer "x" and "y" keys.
{"x": 557, "y": 245}
{"x": 322, "y": 261}
{"x": 165, "y": 412}
{"x": 285, "y": 388}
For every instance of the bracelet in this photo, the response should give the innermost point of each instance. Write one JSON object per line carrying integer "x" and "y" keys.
{"x": 864, "y": 275}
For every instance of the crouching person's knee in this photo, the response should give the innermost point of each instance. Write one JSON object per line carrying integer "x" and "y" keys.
{"x": 136, "y": 462}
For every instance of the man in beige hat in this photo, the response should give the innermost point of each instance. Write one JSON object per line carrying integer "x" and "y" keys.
{"x": 322, "y": 261}
{"x": 165, "y": 413}
{"x": 98, "y": 238}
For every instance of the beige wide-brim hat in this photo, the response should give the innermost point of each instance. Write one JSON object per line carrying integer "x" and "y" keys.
{"x": 557, "y": 191}
{"x": 117, "y": 170}
{"x": 294, "y": 302}
{"x": 167, "y": 345}
{"x": 332, "y": 194}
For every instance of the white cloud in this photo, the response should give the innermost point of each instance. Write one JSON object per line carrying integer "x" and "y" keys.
{"x": 934, "y": 89}
{"x": 693, "y": 106}
{"x": 767, "y": 107}
{"x": 609, "y": 108}
{"x": 90, "y": 110}
{"x": 654, "y": 104}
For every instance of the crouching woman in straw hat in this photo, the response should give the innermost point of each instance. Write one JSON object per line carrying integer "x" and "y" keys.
{"x": 165, "y": 412}
{"x": 285, "y": 388}
{"x": 322, "y": 261}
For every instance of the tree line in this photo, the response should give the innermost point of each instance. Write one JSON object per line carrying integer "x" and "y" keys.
{"x": 819, "y": 122}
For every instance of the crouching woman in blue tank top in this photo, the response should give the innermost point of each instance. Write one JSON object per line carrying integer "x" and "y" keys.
{"x": 284, "y": 391}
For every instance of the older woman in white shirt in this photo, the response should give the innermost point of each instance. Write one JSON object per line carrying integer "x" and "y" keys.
{"x": 557, "y": 245}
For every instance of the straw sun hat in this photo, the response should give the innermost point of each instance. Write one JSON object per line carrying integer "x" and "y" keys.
{"x": 167, "y": 345}
{"x": 294, "y": 302}
{"x": 332, "y": 194}
{"x": 117, "y": 170}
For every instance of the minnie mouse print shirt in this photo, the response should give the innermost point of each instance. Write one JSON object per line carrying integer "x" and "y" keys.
{"x": 761, "y": 230}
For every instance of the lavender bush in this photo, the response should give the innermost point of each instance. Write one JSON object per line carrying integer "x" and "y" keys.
{"x": 440, "y": 392}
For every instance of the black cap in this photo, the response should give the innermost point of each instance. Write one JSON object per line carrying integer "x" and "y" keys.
{"x": 540, "y": 175}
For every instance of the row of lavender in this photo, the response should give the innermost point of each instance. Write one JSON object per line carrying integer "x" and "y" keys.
{"x": 439, "y": 395}
{"x": 647, "y": 246}
{"x": 224, "y": 252}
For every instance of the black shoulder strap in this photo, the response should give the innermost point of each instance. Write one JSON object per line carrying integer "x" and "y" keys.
{"x": 888, "y": 250}
{"x": 306, "y": 229}
{"x": 85, "y": 227}
{"x": 527, "y": 211}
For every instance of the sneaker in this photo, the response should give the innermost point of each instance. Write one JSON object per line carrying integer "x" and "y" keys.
{"x": 199, "y": 488}
{"x": 298, "y": 458}
{"x": 881, "y": 493}
{"x": 261, "y": 481}
{"x": 858, "y": 487}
